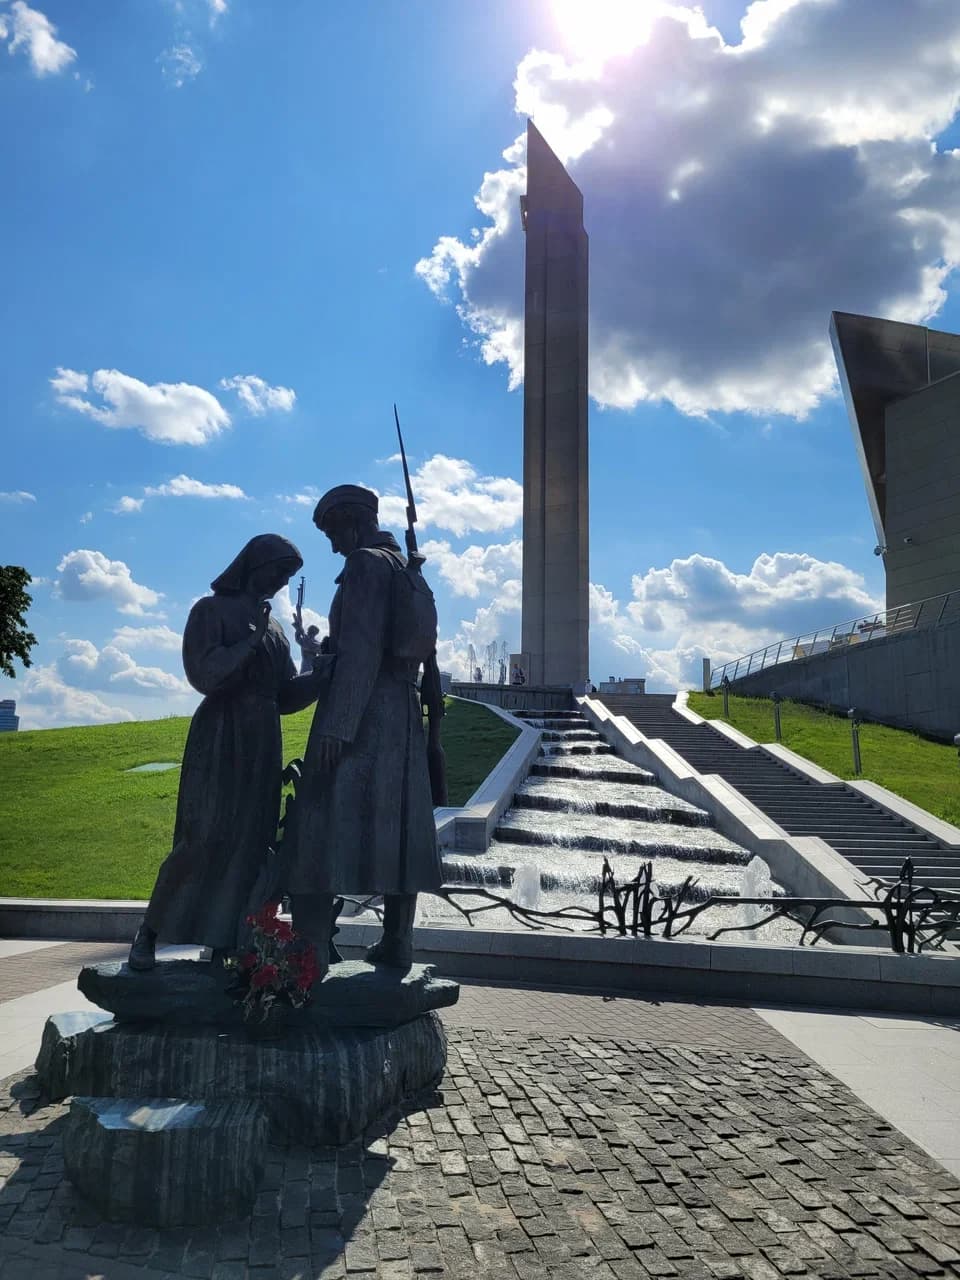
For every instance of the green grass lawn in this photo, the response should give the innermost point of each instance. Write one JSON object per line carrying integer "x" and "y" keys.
{"x": 73, "y": 824}
{"x": 925, "y": 772}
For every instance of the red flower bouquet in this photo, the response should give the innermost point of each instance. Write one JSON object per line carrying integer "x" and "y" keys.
{"x": 278, "y": 968}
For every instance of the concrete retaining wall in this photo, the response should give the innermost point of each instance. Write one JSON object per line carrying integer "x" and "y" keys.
{"x": 514, "y": 697}
{"x": 470, "y": 828}
{"x": 96, "y": 920}
{"x": 845, "y": 977}
{"x": 911, "y": 680}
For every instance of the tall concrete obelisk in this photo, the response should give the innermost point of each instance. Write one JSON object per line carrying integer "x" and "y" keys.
{"x": 556, "y": 606}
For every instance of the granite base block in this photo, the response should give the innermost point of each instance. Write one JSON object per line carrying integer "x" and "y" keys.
{"x": 54, "y": 1064}
{"x": 316, "y": 1087}
{"x": 193, "y": 993}
{"x": 166, "y": 1162}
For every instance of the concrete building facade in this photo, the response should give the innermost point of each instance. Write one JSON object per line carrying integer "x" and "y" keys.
{"x": 9, "y": 720}
{"x": 923, "y": 493}
{"x": 902, "y": 387}
{"x": 555, "y": 603}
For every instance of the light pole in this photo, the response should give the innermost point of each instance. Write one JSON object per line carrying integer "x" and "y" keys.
{"x": 725, "y": 686}
{"x": 855, "y": 739}
{"x": 776, "y": 700}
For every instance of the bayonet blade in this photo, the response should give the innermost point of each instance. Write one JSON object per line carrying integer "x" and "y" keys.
{"x": 411, "y": 505}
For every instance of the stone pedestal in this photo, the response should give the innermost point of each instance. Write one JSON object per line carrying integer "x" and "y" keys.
{"x": 315, "y": 1087}
{"x": 163, "y": 1162}
{"x": 189, "y": 993}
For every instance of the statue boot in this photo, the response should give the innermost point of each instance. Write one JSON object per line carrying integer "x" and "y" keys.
{"x": 313, "y": 918}
{"x": 395, "y": 948}
{"x": 143, "y": 951}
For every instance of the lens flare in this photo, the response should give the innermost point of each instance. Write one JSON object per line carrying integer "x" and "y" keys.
{"x": 598, "y": 29}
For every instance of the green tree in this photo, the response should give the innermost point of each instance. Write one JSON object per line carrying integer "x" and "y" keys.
{"x": 15, "y": 640}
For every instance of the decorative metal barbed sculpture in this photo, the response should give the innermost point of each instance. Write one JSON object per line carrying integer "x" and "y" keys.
{"x": 915, "y": 917}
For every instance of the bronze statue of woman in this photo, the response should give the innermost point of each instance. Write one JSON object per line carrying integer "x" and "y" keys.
{"x": 228, "y": 807}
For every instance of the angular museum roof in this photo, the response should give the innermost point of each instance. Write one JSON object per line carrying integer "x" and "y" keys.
{"x": 881, "y": 361}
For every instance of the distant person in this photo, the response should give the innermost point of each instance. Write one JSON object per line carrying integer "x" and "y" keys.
{"x": 478, "y": 675}
{"x": 229, "y": 802}
{"x": 516, "y": 675}
{"x": 310, "y": 648}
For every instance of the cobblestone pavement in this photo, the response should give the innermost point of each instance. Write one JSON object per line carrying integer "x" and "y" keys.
{"x": 33, "y": 970}
{"x": 544, "y": 1154}
{"x": 658, "y": 1021}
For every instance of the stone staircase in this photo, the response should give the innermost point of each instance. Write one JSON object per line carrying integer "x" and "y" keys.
{"x": 875, "y": 842}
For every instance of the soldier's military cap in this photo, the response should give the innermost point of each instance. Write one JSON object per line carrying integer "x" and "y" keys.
{"x": 341, "y": 494}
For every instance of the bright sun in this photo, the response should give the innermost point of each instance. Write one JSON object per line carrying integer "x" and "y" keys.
{"x": 601, "y": 28}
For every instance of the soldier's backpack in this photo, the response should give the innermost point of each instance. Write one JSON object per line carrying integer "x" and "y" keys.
{"x": 414, "y": 631}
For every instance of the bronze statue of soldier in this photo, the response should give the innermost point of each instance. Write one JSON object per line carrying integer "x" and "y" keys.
{"x": 365, "y": 823}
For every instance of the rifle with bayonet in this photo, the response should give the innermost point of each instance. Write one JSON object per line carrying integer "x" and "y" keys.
{"x": 431, "y": 694}
{"x": 298, "y": 612}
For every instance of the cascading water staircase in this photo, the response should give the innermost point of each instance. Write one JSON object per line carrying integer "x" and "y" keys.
{"x": 580, "y": 803}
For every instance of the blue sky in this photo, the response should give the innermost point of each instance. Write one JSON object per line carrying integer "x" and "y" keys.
{"x": 236, "y": 233}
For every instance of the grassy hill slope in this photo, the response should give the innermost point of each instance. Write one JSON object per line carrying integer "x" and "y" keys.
{"x": 919, "y": 770}
{"x": 73, "y": 824}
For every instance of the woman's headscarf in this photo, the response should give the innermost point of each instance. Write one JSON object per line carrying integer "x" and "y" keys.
{"x": 265, "y": 548}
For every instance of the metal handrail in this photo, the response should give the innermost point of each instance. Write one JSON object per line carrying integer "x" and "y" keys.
{"x": 875, "y": 626}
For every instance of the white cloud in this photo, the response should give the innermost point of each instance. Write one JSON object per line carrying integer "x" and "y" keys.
{"x": 698, "y": 607}
{"x": 257, "y": 396}
{"x": 184, "y": 487}
{"x": 44, "y": 701}
{"x": 86, "y": 517}
{"x": 66, "y": 382}
{"x": 168, "y": 412}
{"x": 90, "y": 575}
{"x": 785, "y": 592}
{"x": 308, "y": 498}
{"x": 450, "y": 495}
{"x": 127, "y": 505}
{"x": 179, "y": 64}
{"x": 475, "y": 569}
{"x": 83, "y": 666}
{"x": 17, "y": 496}
{"x": 181, "y": 486}
{"x": 159, "y": 637}
{"x": 217, "y": 9}
{"x": 32, "y": 32}
{"x": 488, "y": 622}
{"x": 734, "y": 196}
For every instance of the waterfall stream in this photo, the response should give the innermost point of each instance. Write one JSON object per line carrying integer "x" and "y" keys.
{"x": 581, "y": 803}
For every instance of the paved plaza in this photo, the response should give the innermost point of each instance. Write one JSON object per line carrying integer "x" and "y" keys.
{"x": 573, "y": 1135}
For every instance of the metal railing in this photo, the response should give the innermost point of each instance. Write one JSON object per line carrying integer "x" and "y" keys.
{"x": 905, "y": 617}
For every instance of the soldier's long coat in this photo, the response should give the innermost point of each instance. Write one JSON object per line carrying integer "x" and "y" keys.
{"x": 368, "y": 826}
